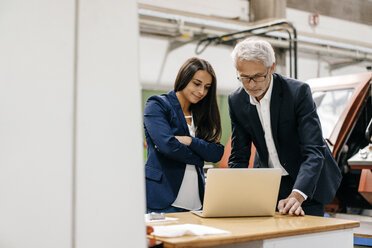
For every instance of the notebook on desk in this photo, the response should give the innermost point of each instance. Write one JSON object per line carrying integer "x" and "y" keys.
{"x": 231, "y": 192}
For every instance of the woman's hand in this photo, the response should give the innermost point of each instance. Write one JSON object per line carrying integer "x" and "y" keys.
{"x": 186, "y": 140}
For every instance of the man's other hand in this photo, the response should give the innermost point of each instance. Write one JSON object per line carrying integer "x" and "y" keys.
{"x": 292, "y": 204}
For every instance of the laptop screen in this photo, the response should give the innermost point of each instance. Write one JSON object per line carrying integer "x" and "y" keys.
{"x": 241, "y": 192}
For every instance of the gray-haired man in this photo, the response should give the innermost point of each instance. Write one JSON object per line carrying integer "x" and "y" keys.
{"x": 279, "y": 116}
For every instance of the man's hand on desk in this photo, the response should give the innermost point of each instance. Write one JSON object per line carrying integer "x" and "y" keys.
{"x": 292, "y": 204}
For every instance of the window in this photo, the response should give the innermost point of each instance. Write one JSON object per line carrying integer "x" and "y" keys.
{"x": 330, "y": 104}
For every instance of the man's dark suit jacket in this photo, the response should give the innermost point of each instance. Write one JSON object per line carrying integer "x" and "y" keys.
{"x": 297, "y": 136}
{"x": 166, "y": 156}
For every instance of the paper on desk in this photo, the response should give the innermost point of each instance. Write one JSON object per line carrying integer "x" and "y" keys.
{"x": 147, "y": 219}
{"x": 186, "y": 229}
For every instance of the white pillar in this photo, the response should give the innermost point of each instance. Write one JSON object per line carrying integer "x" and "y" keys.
{"x": 36, "y": 88}
{"x": 110, "y": 177}
{"x": 71, "y": 169}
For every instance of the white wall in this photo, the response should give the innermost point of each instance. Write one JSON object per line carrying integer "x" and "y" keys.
{"x": 318, "y": 65}
{"x": 153, "y": 50}
{"x": 40, "y": 155}
{"x": 332, "y": 27}
{"x": 228, "y": 9}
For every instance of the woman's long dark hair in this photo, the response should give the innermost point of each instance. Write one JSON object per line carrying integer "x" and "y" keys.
{"x": 205, "y": 112}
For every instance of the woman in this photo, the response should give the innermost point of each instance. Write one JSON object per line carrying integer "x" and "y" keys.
{"x": 182, "y": 131}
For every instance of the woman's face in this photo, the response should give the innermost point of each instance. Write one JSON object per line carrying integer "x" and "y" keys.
{"x": 198, "y": 87}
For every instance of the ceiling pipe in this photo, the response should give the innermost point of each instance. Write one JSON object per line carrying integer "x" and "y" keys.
{"x": 257, "y": 30}
{"x": 306, "y": 43}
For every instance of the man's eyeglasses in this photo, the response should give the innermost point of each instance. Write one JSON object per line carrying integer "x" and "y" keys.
{"x": 257, "y": 78}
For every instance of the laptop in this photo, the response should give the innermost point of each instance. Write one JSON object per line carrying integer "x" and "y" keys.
{"x": 233, "y": 192}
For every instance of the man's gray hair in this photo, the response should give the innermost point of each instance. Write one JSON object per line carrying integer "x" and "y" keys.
{"x": 255, "y": 50}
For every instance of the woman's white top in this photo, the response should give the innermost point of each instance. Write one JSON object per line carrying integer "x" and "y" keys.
{"x": 188, "y": 195}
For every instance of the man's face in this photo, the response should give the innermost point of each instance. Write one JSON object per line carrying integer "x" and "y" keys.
{"x": 255, "y": 77}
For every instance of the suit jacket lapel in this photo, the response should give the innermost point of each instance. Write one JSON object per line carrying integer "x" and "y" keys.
{"x": 258, "y": 133}
{"x": 252, "y": 114}
{"x": 275, "y": 102}
{"x": 256, "y": 123}
{"x": 177, "y": 107}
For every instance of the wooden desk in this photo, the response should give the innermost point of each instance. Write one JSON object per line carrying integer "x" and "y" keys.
{"x": 279, "y": 231}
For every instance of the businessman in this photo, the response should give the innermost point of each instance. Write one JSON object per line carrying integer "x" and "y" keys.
{"x": 279, "y": 116}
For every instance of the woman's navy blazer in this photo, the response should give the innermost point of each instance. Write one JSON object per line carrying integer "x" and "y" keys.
{"x": 166, "y": 156}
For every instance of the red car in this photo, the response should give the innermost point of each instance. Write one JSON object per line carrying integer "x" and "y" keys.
{"x": 345, "y": 110}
